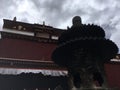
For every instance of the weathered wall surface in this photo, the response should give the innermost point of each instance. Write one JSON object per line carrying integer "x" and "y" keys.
{"x": 21, "y": 49}
{"x": 113, "y": 74}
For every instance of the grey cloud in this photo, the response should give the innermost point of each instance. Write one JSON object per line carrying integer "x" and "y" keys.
{"x": 53, "y": 10}
{"x": 3, "y": 6}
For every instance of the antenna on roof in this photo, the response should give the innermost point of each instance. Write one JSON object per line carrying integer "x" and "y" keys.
{"x": 68, "y": 27}
{"x": 43, "y": 23}
{"x": 14, "y": 19}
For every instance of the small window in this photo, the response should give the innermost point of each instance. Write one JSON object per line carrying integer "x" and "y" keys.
{"x": 14, "y": 27}
{"x": 20, "y": 27}
{"x": 117, "y": 57}
{"x": 24, "y": 28}
{"x": 54, "y": 37}
{"x": 42, "y": 35}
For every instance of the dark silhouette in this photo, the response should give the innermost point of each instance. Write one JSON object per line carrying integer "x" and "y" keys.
{"x": 83, "y": 49}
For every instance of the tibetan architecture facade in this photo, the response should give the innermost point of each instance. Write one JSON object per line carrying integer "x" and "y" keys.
{"x": 28, "y": 45}
{"x": 25, "y": 58}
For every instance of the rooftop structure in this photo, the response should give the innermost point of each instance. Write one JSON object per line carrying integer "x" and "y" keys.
{"x": 29, "y": 44}
{"x": 26, "y": 53}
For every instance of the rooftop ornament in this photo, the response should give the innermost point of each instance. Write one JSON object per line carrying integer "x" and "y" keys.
{"x": 83, "y": 50}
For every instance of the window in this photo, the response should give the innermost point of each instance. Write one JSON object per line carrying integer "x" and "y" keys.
{"x": 42, "y": 35}
{"x": 54, "y": 37}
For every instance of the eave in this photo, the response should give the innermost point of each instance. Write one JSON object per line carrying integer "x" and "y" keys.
{"x": 25, "y": 37}
{"x": 28, "y": 64}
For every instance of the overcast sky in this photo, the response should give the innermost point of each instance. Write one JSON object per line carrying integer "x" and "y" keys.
{"x": 59, "y": 13}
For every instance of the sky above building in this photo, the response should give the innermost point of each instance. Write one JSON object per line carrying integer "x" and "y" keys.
{"x": 59, "y": 13}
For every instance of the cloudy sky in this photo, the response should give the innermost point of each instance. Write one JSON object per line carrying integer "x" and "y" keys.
{"x": 59, "y": 13}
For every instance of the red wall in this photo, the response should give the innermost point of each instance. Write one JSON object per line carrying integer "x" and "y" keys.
{"x": 21, "y": 49}
{"x": 113, "y": 74}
